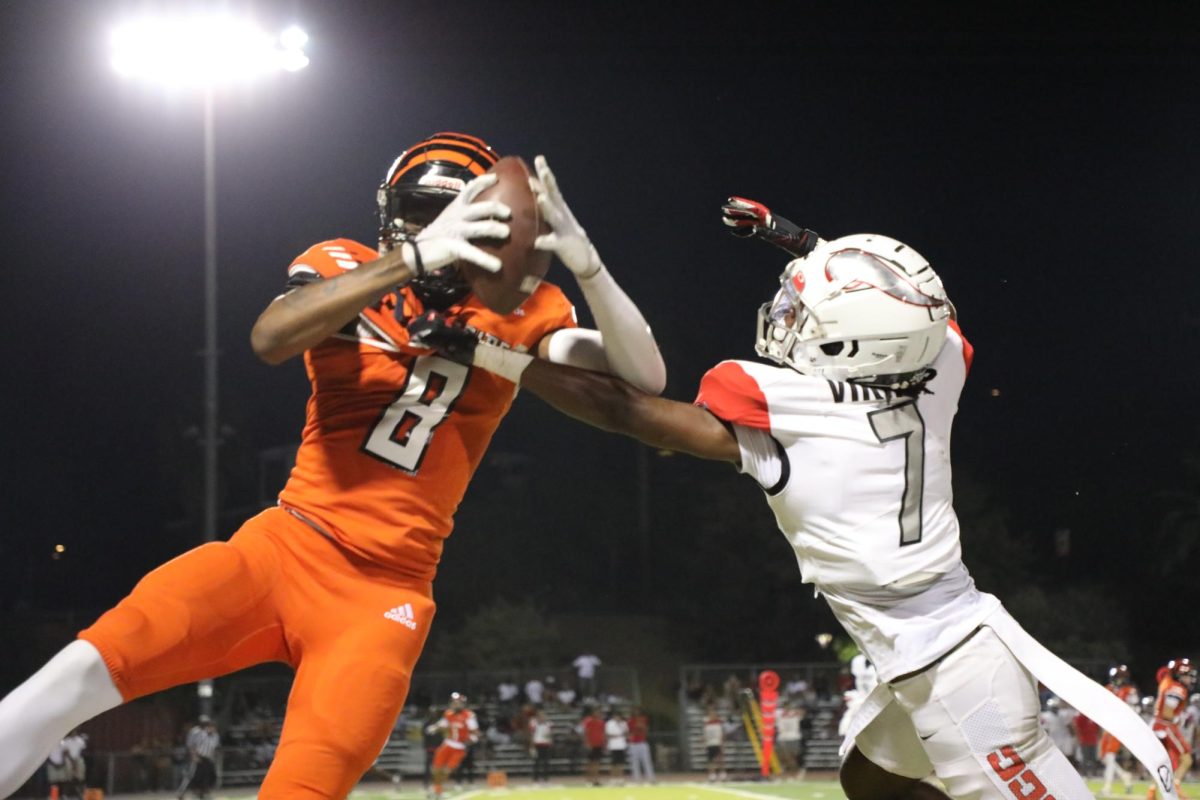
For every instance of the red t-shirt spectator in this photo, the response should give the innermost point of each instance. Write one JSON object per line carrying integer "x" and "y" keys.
{"x": 593, "y": 732}
{"x": 639, "y": 727}
{"x": 1086, "y": 731}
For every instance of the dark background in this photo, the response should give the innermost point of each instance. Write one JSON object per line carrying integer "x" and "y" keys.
{"x": 1045, "y": 162}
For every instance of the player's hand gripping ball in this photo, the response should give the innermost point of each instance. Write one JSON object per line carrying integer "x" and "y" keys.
{"x": 521, "y": 266}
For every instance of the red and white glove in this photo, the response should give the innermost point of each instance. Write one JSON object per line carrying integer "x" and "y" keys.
{"x": 745, "y": 217}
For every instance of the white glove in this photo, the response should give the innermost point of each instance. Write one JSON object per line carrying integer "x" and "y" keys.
{"x": 445, "y": 240}
{"x": 569, "y": 241}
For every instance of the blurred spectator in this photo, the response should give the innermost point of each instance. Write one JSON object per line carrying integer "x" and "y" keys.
{"x": 733, "y": 687}
{"x": 595, "y": 740}
{"x": 521, "y": 723}
{"x": 152, "y": 764}
{"x": 566, "y": 695}
{"x": 1087, "y": 735}
{"x": 534, "y": 691}
{"x": 585, "y": 670}
{"x": 495, "y": 736}
{"x": 542, "y": 739}
{"x": 714, "y": 745}
{"x": 616, "y": 730}
{"x": 202, "y": 743}
{"x": 641, "y": 766}
{"x": 58, "y": 775}
{"x": 76, "y": 767}
{"x": 264, "y": 753}
{"x": 1058, "y": 719}
{"x": 789, "y": 738}
{"x": 796, "y": 688}
{"x": 506, "y": 692}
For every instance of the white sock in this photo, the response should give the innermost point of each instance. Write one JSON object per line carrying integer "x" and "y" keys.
{"x": 70, "y": 689}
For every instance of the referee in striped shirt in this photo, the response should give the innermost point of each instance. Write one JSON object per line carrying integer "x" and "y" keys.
{"x": 202, "y": 743}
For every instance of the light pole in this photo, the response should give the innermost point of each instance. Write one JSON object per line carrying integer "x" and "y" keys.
{"x": 203, "y": 53}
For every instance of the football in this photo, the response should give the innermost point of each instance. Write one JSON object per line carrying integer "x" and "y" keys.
{"x": 522, "y": 267}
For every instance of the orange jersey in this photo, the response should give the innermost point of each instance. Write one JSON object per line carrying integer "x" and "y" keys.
{"x": 1128, "y": 693}
{"x": 1172, "y": 698}
{"x": 393, "y": 433}
{"x": 460, "y": 728}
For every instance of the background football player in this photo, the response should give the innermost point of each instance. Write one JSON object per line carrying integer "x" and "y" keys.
{"x": 460, "y": 731}
{"x": 1121, "y": 684}
{"x": 1175, "y": 683}
{"x": 337, "y": 580}
{"x": 848, "y": 434}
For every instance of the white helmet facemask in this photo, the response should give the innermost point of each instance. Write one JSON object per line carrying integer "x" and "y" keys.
{"x": 863, "y": 308}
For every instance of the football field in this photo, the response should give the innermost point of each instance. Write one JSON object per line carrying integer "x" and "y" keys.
{"x": 698, "y": 790}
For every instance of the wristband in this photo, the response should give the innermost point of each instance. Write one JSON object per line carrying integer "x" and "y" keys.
{"x": 508, "y": 364}
{"x": 419, "y": 266}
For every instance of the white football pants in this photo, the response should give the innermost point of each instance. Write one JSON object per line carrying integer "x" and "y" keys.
{"x": 70, "y": 689}
{"x": 1112, "y": 770}
{"x": 972, "y": 719}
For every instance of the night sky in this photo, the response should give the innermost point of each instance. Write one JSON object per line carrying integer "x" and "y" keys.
{"x": 1046, "y": 166}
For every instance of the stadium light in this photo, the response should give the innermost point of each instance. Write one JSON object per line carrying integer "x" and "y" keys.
{"x": 205, "y": 52}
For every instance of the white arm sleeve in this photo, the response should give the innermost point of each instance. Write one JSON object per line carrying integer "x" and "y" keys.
{"x": 629, "y": 346}
{"x": 578, "y": 347}
{"x": 762, "y": 458}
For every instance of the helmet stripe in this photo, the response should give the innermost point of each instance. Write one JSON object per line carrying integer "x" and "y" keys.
{"x": 441, "y": 147}
{"x": 453, "y": 156}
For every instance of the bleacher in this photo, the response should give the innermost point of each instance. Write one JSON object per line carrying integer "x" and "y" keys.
{"x": 821, "y": 742}
{"x": 404, "y": 753}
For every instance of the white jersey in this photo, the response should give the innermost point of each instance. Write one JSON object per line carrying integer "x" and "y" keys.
{"x": 859, "y": 480}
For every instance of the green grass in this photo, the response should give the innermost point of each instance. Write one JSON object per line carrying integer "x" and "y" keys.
{"x": 697, "y": 790}
{"x": 674, "y": 791}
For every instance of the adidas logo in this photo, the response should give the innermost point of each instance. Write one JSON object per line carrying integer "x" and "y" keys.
{"x": 402, "y": 614}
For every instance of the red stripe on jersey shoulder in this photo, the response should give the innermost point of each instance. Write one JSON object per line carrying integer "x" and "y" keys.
{"x": 968, "y": 350}
{"x": 733, "y": 396}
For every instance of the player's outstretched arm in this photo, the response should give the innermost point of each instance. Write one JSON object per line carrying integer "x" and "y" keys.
{"x": 596, "y": 398}
{"x": 625, "y": 346}
{"x": 606, "y": 402}
{"x": 306, "y": 316}
{"x": 747, "y": 218}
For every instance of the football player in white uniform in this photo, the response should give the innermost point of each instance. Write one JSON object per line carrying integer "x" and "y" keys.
{"x": 847, "y": 431}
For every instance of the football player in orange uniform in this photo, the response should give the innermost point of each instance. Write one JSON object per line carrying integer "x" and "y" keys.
{"x": 460, "y": 730}
{"x": 1175, "y": 682}
{"x": 1120, "y": 684}
{"x": 336, "y": 580}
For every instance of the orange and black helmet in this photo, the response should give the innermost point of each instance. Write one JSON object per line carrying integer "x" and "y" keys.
{"x": 422, "y": 182}
{"x": 426, "y": 177}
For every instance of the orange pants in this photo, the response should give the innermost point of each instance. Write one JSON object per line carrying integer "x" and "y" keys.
{"x": 280, "y": 591}
{"x": 447, "y": 757}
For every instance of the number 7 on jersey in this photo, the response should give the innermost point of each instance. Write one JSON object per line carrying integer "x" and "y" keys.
{"x": 904, "y": 421}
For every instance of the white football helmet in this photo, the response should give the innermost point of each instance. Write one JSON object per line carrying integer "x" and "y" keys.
{"x": 863, "y": 308}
